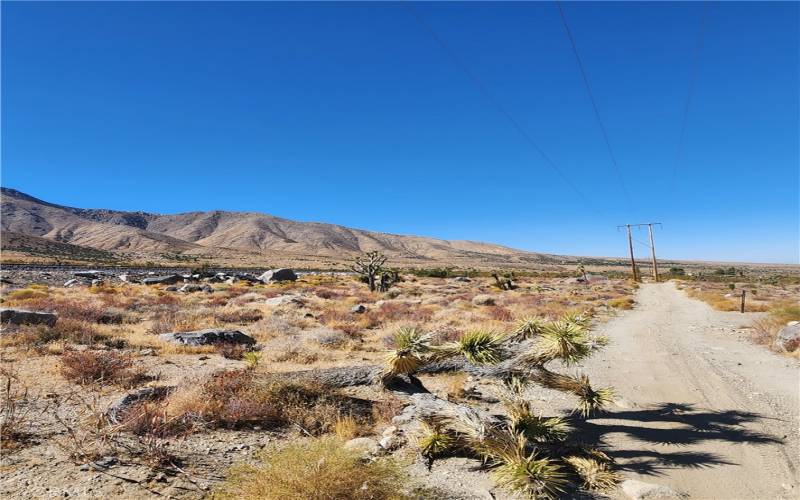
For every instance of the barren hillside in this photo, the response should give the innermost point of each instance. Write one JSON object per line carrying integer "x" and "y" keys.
{"x": 232, "y": 235}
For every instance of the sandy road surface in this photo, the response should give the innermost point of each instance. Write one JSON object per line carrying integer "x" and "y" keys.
{"x": 702, "y": 410}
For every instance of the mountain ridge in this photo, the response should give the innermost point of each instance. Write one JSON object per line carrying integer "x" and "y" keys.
{"x": 233, "y": 234}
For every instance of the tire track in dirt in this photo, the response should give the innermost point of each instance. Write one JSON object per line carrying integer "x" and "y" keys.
{"x": 702, "y": 410}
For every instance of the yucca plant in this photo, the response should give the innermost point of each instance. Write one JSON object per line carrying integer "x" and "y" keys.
{"x": 524, "y": 473}
{"x": 590, "y": 401}
{"x": 595, "y": 474}
{"x": 528, "y": 327}
{"x": 564, "y": 340}
{"x": 411, "y": 345}
{"x": 434, "y": 440}
{"x": 582, "y": 319}
{"x": 478, "y": 346}
{"x": 523, "y": 419}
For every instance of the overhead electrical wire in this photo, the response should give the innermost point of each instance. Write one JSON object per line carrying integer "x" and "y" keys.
{"x": 698, "y": 48}
{"x": 493, "y": 100}
{"x": 603, "y": 130}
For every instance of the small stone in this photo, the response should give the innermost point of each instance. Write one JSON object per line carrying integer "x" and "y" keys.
{"x": 483, "y": 300}
{"x": 358, "y": 309}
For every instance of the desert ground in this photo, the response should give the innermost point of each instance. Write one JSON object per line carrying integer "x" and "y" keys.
{"x": 439, "y": 387}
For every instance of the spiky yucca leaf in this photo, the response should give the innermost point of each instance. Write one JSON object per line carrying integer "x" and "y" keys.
{"x": 527, "y": 475}
{"x": 515, "y": 386}
{"x": 582, "y": 319}
{"x": 565, "y": 341}
{"x": 534, "y": 427}
{"x": 478, "y": 346}
{"x": 595, "y": 474}
{"x": 593, "y": 401}
{"x": 411, "y": 339}
{"x": 542, "y": 429}
{"x": 411, "y": 345}
{"x": 434, "y": 440}
{"x": 589, "y": 400}
{"x": 528, "y": 327}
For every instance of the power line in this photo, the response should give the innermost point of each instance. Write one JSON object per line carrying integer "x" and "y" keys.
{"x": 491, "y": 98}
{"x": 594, "y": 106}
{"x": 698, "y": 48}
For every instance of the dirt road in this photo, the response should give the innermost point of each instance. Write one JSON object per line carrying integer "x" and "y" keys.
{"x": 702, "y": 410}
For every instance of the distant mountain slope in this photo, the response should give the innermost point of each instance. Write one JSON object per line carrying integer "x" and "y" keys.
{"x": 195, "y": 233}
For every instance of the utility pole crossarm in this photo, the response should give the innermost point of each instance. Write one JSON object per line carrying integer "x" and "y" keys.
{"x": 652, "y": 248}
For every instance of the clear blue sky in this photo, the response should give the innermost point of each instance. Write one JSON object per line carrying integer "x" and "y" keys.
{"x": 352, "y": 113}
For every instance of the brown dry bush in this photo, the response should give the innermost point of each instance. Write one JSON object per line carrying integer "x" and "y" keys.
{"x": 238, "y": 316}
{"x": 239, "y": 398}
{"x": 314, "y": 469}
{"x": 16, "y": 412}
{"x": 100, "y": 367}
{"x": 230, "y": 350}
{"x": 385, "y": 410}
{"x": 499, "y": 313}
{"x": 296, "y": 355}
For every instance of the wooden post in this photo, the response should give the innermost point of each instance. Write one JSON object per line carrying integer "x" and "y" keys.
{"x": 653, "y": 252}
{"x": 630, "y": 247}
{"x": 744, "y": 292}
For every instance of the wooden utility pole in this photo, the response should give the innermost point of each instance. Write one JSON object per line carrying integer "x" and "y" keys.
{"x": 653, "y": 252}
{"x": 630, "y": 247}
{"x": 649, "y": 225}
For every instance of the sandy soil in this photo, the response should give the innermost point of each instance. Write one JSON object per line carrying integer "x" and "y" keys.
{"x": 703, "y": 410}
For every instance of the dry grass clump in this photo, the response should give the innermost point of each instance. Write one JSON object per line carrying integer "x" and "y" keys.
{"x": 238, "y": 316}
{"x": 16, "y": 412}
{"x": 240, "y": 398}
{"x": 622, "y": 303}
{"x": 100, "y": 367}
{"x": 314, "y": 469}
{"x": 296, "y": 355}
{"x": 386, "y": 409}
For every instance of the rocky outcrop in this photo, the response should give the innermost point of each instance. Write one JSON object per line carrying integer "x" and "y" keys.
{"x": 209, "y": 336}
{"x": 23, "y": 317}
{"x": 163, "y": 280}
{"x": 278, "y": 275}
{"x": 789, "y": 337}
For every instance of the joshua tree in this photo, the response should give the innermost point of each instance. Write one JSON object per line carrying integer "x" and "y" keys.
{"x": 369, "y": 266}
{"x": 582, "y": 272}
{"x": 532, "y": 455}
{"x": 504, "y": 283}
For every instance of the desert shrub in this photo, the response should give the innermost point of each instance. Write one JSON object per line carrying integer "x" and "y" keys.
{"x": 327, "y": 337}
{"x": 235, "y": 399}
{"x": 621, "y": 303}
{"x": 314, "y": 469}
{"x": 499, "y": 313}
{"x": 348, "y": 427}
{"x": 16, "y": 412}
{"x": 785, "y": 312}
{"x": 385, "y": 410}
{"x": 26, "y": 294}
{"x": 100, "y": 367}
{"x": 83, "y": 310}
{"x": 327, "y": 293}
{"x": 65, "y": 329}
{"x": 296, "y": 355}
{"x": 171, "y": 319}
{"x": 230, "y": 350}
{"x": 239, "y": 316}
